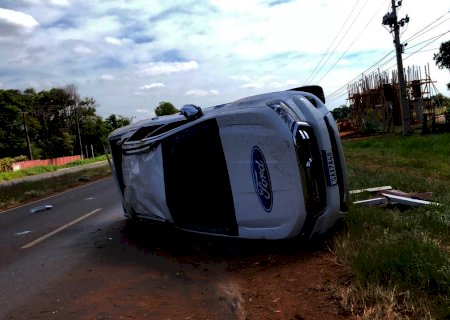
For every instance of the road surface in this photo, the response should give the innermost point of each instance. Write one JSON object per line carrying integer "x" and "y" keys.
{"x": 82, "y": 260}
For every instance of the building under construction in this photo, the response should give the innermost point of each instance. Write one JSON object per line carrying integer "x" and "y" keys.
{"x": 375, "y": 100}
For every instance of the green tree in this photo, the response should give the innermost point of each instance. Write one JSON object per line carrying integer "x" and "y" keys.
{"x": 12, "y": 133}
{"x": 442, "y": 58}
{"x": 165, "y": 108}
{"x": 341, "y": 113}
{"x": 116, "y": 121}
{"x": 440, "y": 100}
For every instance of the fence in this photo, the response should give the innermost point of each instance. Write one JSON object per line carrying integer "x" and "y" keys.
{"x": 34, "y": 163}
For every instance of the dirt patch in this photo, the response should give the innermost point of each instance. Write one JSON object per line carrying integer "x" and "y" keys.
{"x": 148, "y": 271}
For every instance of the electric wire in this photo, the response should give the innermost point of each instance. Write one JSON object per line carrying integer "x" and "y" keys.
{"x": 423, "y": 30}
{"x": 332, "y": 43}
{"x": 342, "y": 90}
{"x": 342, "y": 38}
{"x": 351, "y": 44}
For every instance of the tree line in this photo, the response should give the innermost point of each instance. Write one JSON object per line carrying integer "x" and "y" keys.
{"x": 52, "y": 123}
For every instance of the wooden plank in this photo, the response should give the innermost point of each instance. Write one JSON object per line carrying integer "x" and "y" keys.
{"x": 376, "y": 189}
{"x": 408, "y": 201}
{"x": 371, "y": 202}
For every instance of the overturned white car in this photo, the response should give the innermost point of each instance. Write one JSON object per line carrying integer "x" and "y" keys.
{"x": 269, "y": 166}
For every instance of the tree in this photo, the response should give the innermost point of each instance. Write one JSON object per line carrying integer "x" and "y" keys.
{"x": 442, "y": 58}
{"x": 165, "y": 108}
{"x": 440, "y": 100}
{"x": 341, "y": 113}
{"x": 116, "y": 121}
{"x": 12, "y": 133}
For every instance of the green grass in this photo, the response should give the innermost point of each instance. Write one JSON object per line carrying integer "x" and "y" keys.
{"x": 11, "y": 196}
{"x": 11, "y": 175}
{"x": 399, "y": 260}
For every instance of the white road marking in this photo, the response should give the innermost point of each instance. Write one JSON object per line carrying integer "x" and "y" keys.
{"x": 67, "y": 225}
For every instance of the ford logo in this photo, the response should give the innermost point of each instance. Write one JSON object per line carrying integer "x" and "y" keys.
{"x": 261, "y": 179}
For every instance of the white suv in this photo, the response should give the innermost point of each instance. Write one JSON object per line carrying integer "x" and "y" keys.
{"x": 269, "y": 166}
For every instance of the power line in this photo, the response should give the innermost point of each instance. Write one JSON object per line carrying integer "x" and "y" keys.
{"x": 430, "y": 41}
{"x": 342, "y": 90}
{"x": 351, "y": 44}
{"x": 342, "y": 38}
{"x": 332, "y": 43}
{"x": 422, "y": 31}
{"x": 338, "y": 93}
{"x": 365, "y": 71}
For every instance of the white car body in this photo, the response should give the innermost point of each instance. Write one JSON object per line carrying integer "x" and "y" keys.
{"x": 264, "y": 167}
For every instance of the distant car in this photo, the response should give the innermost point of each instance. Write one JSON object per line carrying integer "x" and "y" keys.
{"x": 269, "y": 166}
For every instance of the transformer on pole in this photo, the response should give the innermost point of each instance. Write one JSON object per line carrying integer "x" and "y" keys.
{"x": 390, "y": 19}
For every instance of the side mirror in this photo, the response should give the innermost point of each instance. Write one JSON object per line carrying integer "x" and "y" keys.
{"x": 191, "y": 112}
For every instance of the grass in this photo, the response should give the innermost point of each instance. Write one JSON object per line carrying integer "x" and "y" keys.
{"x": 11, "y": 196}
{"x": 11, "y": 175}
{"x": 399, "y": 260}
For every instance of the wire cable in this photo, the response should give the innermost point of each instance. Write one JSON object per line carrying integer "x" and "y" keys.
{"x": 351, "y": 44}
{"x": 332, "y": 43}
{"x": 422, "y": 31}
{"x": 342, "y": 38}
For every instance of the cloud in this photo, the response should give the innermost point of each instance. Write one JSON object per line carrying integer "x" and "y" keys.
{"x": 107, "y": 77}
{"x": 142, "y": 111}
{"x": 202, "y": 93}
{"x": 80, "y": 49}
{"x": 145, "y": 88}
{"x": 15, "y": 22}
{"x": 267, "y": 82}
{"x": 152, "y": 86}
{"x": 160, "y": 68}
{"x": 117, "y": 42}
{"x": 60, "y": 3}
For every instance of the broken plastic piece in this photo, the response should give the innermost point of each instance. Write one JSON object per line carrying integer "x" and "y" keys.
{"x": 41, "y": 208}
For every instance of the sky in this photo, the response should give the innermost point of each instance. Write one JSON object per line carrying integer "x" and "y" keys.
{"x": 131, "y": 55}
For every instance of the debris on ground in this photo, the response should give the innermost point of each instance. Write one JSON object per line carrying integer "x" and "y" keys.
{"x": 41, "y": 208}
{"x": 386, "y": 196}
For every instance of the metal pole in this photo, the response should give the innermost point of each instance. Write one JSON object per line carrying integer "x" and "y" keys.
{"x": 404, "y": 104}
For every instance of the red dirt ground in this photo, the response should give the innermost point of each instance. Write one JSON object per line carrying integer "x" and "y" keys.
{"x": 154, "y": 272}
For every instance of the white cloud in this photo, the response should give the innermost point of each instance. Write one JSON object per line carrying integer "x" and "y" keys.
{"x": 60, "y": 3}
{"x": 152, "y": 86}
{"x": 159, "y": 68}
{"x": 202, "y": 93}
{"x": 142, "y": 111}
{"x": 116, "y": 41}
{"x": 82, "y": 50}
{"x": 107, "y": 77}
{"x": 16, "y": 22}
{"x": 238, "y": 48}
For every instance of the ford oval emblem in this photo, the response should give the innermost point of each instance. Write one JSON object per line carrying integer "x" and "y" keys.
{"x": 261, "y": 179}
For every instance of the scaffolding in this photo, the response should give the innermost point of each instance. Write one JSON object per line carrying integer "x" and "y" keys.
{"x": 375, "y": 100}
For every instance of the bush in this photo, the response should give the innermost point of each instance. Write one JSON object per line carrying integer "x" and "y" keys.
{"x": 6, "y": 163}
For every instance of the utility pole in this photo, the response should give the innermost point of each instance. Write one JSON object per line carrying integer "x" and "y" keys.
{"x": 30, "y": 155}
{"x": 390, "y": 19}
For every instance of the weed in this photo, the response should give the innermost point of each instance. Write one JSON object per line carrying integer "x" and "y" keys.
{"x": 399, "y": 260}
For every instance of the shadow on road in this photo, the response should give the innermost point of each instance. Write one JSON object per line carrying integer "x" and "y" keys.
{"x": 165, "y": 240}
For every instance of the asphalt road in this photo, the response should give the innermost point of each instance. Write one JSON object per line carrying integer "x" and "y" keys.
{"x": 82, "y": 259}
